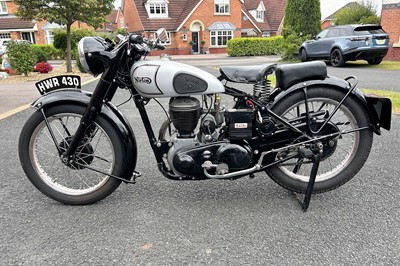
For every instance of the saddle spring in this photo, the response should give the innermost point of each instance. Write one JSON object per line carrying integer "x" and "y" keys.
{"x": 262, "y": 90}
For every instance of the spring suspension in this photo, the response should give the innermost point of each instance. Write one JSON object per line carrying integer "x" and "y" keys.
{"x": 262, "y": 91}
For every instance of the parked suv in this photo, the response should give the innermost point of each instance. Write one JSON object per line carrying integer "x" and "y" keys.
{"x": 347, "y": 43}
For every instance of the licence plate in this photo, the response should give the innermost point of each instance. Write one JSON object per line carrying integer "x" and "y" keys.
{"x": 58, "y": 82}
{"x": 380, "y": 42}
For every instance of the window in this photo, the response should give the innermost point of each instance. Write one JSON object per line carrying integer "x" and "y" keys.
{"x": 121, "y": 23}
{"x": 333, "y": 33}
{"x": 220, "y": 37}
{"x": 49, "y": 36}
{"x": 222, "y": 7}
{"x": 260, "y": 15}
{"x": 3, "y": 7}
{"x": 322, "y": 34}
{"x": 5, "y": 36}
{"x": 157, "y": 9}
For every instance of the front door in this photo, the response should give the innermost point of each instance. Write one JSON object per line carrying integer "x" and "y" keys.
{"x": 195, "y": 42}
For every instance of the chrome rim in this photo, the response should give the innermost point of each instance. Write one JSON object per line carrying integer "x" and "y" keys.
{"x": 71, "y": 180}
{"x": 346, "y": 145}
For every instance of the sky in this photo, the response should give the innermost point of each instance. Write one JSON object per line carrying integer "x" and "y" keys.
{"x": 327, "y": 6}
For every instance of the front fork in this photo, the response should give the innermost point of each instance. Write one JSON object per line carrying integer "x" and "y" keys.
{"x": 104, "y": 91}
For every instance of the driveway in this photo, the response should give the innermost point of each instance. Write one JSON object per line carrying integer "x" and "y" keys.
{"x": 163, "y": 222}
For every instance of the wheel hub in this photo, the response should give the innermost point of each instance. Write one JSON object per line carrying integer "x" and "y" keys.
{"x": 83, "y": 155}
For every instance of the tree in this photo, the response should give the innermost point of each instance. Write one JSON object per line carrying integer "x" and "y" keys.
{"x": 302, "y": 17}
{"x": 302, "y": 20}
{"x": 66, "y": 12}
{"x": 362, "y": 12}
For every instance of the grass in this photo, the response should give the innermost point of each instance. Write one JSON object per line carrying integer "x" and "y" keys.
{"x": 392, "y": 95}
{"x": 385, "y": 65}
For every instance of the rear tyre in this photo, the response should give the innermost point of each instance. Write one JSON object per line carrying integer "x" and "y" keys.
{"x": 71, "y": 183}
{"x": 375, "y": 61}
{"x": 337, "y": 59}
{"x": 342, "y": 158}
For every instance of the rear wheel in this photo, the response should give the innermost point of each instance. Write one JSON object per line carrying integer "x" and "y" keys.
{"x": 337, "y": 59}
{"x": 342, "y": 157}
{"x": 70, "y": 183}
{"x": 375, "y": 61}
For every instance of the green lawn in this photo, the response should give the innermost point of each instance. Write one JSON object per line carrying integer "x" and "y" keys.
{"x": 386, "y": 65}
{"x": 392, "y": 95}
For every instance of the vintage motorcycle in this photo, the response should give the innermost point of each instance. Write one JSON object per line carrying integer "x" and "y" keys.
{"x": 311, "y": 133}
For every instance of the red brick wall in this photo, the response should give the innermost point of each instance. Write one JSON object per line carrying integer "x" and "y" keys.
{"x": 391, "y": 24}
{"x": 131, "y": 16}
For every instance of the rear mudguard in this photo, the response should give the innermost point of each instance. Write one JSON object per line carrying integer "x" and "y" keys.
{"x": 379, "y": 109}
{"x": 108, "y": 112}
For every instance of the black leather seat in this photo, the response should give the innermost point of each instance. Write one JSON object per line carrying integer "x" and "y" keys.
{"x": 288, "y": 75}
{"x": 246, "y": 74}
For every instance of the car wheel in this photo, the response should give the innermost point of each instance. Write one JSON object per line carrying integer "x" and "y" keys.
{"x": 337, "y": 58}
{"x": 375, "y": 61}
{"x": 303, "y": 55}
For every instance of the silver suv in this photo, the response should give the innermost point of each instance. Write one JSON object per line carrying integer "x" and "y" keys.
{"x": 347, "y": 43}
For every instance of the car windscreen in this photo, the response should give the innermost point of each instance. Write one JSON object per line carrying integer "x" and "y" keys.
{"x": 366, "y": 30}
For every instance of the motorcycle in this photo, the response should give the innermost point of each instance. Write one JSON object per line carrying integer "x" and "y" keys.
{"x": 311, "y": 133}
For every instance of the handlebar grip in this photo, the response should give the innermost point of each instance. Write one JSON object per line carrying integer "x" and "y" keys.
{"x": 136, "y": 39}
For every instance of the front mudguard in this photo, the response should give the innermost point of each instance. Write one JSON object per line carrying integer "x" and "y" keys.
{"x": 378, "y": 109}
{"x": 108, "y": 112}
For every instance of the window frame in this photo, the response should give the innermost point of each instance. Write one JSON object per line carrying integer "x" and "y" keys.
{"x": 225, "y": 36}
{"x": 224, "y": 5}
{"x": 157, "y": 9}
{"x": 3, "y": 7}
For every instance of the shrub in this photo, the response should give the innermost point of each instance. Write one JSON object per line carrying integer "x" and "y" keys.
{"x": 291, "y": 45}
{"x": 254, "y": 46}
{"x": 43, "y": 67}
{"x": 46, "y": 52}
{"x": 21, "y": 57}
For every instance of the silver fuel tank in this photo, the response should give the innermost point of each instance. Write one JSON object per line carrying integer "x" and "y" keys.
{"x": 162, "y": 78}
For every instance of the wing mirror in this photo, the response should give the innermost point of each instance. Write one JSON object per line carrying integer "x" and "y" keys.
{"x": 162, "y": 35}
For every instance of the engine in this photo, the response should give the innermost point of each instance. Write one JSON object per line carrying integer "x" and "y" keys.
{"x": 190, "y": 150}
{"x": 184, "y": 113}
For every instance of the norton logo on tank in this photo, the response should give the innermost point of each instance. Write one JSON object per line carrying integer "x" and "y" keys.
{"x": 145, "y": 80}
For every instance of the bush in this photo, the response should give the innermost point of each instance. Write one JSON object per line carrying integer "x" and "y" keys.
{"x": 291, "y": 45}
{"x": 46, "y": 52}
{"x": 21, "y": 57}
{"x": 43, "y": 67}
{"x": 254, "y": 46}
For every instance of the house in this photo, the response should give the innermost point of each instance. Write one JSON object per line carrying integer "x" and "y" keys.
{"x": 115, "y": 21}
{"x": 199, "y": 26}
{"x": 40, "y": 32}
{"x": 328, "y": 21}
{"x": 390, "y": 19}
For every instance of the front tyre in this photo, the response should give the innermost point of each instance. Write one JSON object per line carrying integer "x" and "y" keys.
{"x": 343, "y": 157}
{"x": 71, "y": 183}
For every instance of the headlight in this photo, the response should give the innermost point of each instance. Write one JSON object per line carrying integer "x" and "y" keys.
{"x": 93, "y": 55}
{"x": 82, "y": 57}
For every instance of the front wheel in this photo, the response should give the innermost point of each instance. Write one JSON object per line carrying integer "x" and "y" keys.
{"x": 342, "y": 157}
{"x": 70, "y": 183}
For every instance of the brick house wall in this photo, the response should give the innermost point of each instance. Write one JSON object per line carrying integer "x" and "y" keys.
{"x": 390, "y": 22}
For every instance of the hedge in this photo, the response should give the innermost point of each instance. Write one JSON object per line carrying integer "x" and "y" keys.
{"x": 45, "y": 52}
{"x": 254, "y": 46}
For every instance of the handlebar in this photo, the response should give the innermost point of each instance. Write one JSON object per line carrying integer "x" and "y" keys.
{"x": 138, "y": 42}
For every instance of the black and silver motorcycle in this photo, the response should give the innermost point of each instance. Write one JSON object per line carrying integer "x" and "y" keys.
{"x": 311, "y": 133}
